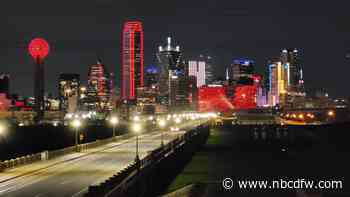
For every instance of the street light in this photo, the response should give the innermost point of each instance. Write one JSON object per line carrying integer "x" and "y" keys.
{"x": 162, "y": 124}
{"x": 2, "y": 129}
{"x": 114, "y": 121}
{"x": 76, "y": 124}
{"x": 137, "y": 128}
{"x": 177, "y": 120}
{"x": 331, "y": 113}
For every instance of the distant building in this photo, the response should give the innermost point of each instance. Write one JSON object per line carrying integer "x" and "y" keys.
{"x": 213, "y": 98}
{"x": 278, "y": 83}
{"x": 179, "y": 92}
{"x": 132, "y": 57}
{"x": 99, "y": 88}
{"x": 193, "y": 93}
{"x": 5, "y": 103}
{"x": 151, "y": 76}
{"x": 5, "y": 84}
{"x": 209, "y": 68}
{"x": 170, "y": 67}
{"x": 291, "y": 57}
{"x": 197, "y": 69}
{"x": 241, "y": 69}
{"x": 68, "y": 92}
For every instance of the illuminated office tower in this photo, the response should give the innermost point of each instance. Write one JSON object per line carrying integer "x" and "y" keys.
{"x": 278, "y": 83}
{"x": 98, "y": 88}
{"x": 151, "y": 76}
{"x": 68, "y": 92}
{"x": 291, "y": 57}
{"x": 209, "y": 68}
{"x": 241, "y": 68}
{"x": 197, "y": 69}
{"x": 132, "y": 57}
{"x": 170, "y": 67}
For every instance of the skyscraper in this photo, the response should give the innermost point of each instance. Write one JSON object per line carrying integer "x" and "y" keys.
{"x": 132, "y": 57}
{"x": 98, "y": 88}
{"x": 242, "y": 69}
{"x": 197, "y": 69}
{"x": 151, "y": 76}
{"x": 68, "y": 92}
{"x": 291, "y": 57}
{"x": 170, "y": 67}
{"x": 278, "y": 83}
{"x": 209, "y": 68}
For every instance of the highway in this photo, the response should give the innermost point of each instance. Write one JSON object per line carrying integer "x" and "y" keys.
{"x": 72, "y": 174}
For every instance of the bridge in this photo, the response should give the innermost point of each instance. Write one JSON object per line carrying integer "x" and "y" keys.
{"x": 72, "y": 174}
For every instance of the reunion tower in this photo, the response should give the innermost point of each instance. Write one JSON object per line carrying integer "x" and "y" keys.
{"x": 39, "y": 48}
{"x": 132, "y": 59}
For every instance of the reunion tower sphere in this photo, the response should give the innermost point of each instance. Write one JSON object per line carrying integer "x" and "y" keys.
{"x": 38, "y": 48}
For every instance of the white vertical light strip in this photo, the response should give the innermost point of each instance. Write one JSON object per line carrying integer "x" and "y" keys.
{"x": 197, "y": 69}
{"x": 192, "y": 68}
{"x": 169, "y": 43}
{"x": 288, "y": 73}
{"x": 201, "y": 73}
{"x": 227, "y": 77}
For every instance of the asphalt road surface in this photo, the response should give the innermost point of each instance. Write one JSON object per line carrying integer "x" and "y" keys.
{"x": 73, "y": 176}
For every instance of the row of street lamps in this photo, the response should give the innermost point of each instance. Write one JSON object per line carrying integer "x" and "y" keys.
{"x": 114, "y": 121}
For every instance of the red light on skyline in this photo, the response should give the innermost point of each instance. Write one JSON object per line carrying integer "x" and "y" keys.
{"x": 245, "y": 97}
{"x": 213, "y": 99}
{"x": 132, "y": 57}
{"x": 38, "y": 48}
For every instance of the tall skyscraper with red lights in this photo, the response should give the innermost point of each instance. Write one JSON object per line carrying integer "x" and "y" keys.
{"x": 132, "y": 57}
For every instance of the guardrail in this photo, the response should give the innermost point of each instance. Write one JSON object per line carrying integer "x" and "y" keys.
{"x": 115, "y": 185}
{"x": 46, "y": 155}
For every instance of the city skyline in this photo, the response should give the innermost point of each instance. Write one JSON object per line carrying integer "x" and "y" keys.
{"x": 75, "y": 51}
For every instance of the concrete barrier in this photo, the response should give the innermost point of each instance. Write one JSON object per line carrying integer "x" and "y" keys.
{"x": 136, "y": 174}
{"x": 46, "y": 155}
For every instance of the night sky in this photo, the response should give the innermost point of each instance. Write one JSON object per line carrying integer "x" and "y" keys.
{"x": 79, "y": 31}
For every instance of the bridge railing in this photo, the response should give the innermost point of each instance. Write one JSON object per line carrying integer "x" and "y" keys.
{"x": 46, "y": 155}
{"x": 115, "y": 185}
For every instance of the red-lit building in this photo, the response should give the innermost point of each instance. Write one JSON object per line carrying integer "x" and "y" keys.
{"x": 213, "y": 98}
{"x": 245, "y": 97}
{"x": 132, "y": 57}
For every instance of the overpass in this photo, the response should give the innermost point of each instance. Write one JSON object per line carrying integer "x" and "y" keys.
{"x": 72, "y": 174}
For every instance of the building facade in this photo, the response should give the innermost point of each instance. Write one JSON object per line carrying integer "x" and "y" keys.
{"x": 132, "y": 56}
{"x": 98, "y": 93}
{"x": 241, "y": 69}
{"x": 170, "y": 69}
{"x": 68, "y": 92}
{"x": 278, "y": 83}
{"x": 213, "y": 98}
{"x": 197, "y": 69}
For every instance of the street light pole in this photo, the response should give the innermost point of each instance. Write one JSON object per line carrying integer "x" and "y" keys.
{"x": 137, "y": 128}
{"x": 162, "y": 124}
{"x": 114, "y": 131}
{"x": 114, "y": 121}
{"x": 76, "y": 138}
{"x": 137, "y": 148}
{"x": 76, "y": 124}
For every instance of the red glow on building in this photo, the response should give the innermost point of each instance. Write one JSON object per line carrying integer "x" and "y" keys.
{"x": 245, "y": 97}
{"x": 213, "y": 98}
{"x": 19, "y": 104}
{"x": 257, "y": 78}
{"x": 132, "y": 59}
{"x": 38, "y": 48}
